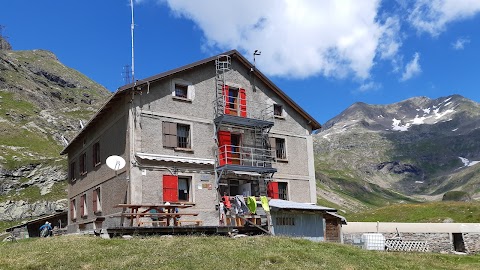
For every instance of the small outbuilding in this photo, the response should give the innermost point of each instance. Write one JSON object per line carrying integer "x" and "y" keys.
{"x": 31, "y": 228}
{"x": 313, "y": 222}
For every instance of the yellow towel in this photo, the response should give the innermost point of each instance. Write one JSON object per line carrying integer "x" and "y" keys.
{"x": 252, "y": 204}
{"x": 265, "y": 205}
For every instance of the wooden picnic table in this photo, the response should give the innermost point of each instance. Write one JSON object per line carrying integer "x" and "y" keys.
{"x": 144, "y": 210}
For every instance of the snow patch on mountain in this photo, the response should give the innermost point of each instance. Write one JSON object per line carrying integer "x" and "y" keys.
{"x": 468, "y": 163}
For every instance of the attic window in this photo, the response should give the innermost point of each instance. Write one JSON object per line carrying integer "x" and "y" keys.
{"x": 181, "y": 90}
{"x": 278, "y": 111}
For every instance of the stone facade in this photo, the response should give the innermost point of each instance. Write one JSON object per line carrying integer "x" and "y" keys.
{"x": 133, "y": 129}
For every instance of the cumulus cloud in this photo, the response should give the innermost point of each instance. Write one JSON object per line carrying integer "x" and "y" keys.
{"x": 412, "y": 68}
{"x": 460, "y": 43}
{"x": 299, "y": 38}
{"x": 431, "y": 16}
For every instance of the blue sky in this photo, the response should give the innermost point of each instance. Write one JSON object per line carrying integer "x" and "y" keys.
{"x": 326, "y": 55}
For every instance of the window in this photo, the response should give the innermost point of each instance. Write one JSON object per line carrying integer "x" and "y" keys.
{"x": 83, "y": 164}
{"x": 282, "y": 191}
{"x": 183, "y": 136}
{"x": 176, "y": 135}
{"x": 278, "y": 110}
{"x": 285, "y": 221}
{"x": 176, "y": 188}
{"x": 280, "y": 149}
{"x": 97, "y": 205}
{"x": 235, "y": 101}
{"x": 73, "y": 209}
{"x": 181, "y": 90}
{"x": 277, "y": 190}
{"x": 83, "y": 205}
{"x": 183, "y": 188}
{"x": 96, "y": 154}
{"x": 72, "y": 173}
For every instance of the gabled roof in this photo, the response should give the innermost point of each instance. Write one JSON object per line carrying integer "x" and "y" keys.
{"x": 233, "y": 53}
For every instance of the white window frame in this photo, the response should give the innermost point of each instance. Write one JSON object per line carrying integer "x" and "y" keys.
{"x": 190, "y": 90}
{"x": 286, "y": 147}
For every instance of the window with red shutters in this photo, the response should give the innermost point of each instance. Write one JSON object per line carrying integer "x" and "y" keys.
{"x": 96, "y": 200}
{"x": 272, "y": 190}
{"x": 170, "y": 188}
{"x": 83, "y": 205}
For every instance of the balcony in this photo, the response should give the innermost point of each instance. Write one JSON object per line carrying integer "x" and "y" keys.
{"x": 248, "y": 159}
{"x": 243, "y": 112}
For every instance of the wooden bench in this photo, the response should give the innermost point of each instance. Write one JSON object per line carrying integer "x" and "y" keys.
{"x": 153, "y": 222}
{"x": 197, "y": 222}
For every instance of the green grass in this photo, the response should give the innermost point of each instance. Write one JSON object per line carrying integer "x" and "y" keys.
{"x": 84, "y": 252}
{"x": 464, "y": 212}
{"x": 32, "y": 194}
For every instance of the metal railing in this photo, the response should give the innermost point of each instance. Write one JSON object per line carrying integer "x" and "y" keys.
{"x": 245, "y": 156}
{"x": 243, "y": 108}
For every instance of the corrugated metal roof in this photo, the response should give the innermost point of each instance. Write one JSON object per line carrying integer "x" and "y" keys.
{"x": 168, "y": 158}
{"x": 283, "y": 204}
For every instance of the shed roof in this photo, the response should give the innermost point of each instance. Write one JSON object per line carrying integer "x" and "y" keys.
{"x": 39, "y": 219}
{"x": 283, "y": 204}
{"x": 233, "y": 53}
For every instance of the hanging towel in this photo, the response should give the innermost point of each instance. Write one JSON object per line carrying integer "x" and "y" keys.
{"x": 265, "y": 205}
{"x": 240, "y": 202}
{"x": 252, "y": 204}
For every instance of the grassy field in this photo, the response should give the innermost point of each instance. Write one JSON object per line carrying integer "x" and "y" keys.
{"x": 422, "y": 212}
{"x": 86, "y": 252}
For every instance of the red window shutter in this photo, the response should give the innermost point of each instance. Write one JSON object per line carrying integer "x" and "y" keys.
{"x": 170, "y": 188}
{"x": 243, "y": 103}
{"x": 94, "y": 203}
{"x": 272, "y": 190}
{"x": 226, "y": 99}
{"x": 225, "y": 149}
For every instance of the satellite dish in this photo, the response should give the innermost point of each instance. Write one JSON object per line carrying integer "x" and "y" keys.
{"x": 115, "y": 162}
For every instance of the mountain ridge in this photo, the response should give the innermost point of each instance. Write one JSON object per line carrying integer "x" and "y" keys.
{"x": 415, "y": 147}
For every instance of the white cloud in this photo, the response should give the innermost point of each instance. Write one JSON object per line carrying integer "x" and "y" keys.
{"x": 460, "y": 43}
{"x": 369, "y": 86}
{"x": 299, "y": 38}
{"x": 431, "y": 16}
{"x": 412, "y": 68}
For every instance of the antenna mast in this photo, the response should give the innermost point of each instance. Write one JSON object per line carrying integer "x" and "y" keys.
{"x": 133, "y": 55}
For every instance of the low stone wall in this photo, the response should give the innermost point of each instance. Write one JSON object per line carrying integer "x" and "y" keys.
{"x": 437, "y": 242}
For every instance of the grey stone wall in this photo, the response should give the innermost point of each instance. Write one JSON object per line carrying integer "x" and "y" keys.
{"x": 437, "y": 242}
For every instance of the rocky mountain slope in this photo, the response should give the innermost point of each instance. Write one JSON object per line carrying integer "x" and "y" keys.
{"x": 42, "y": 103}
{"x": 373, "y": 155}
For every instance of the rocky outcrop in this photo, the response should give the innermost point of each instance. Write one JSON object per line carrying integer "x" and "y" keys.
{"x": 17, "y": 210}
{"x": 42, "y": 103}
